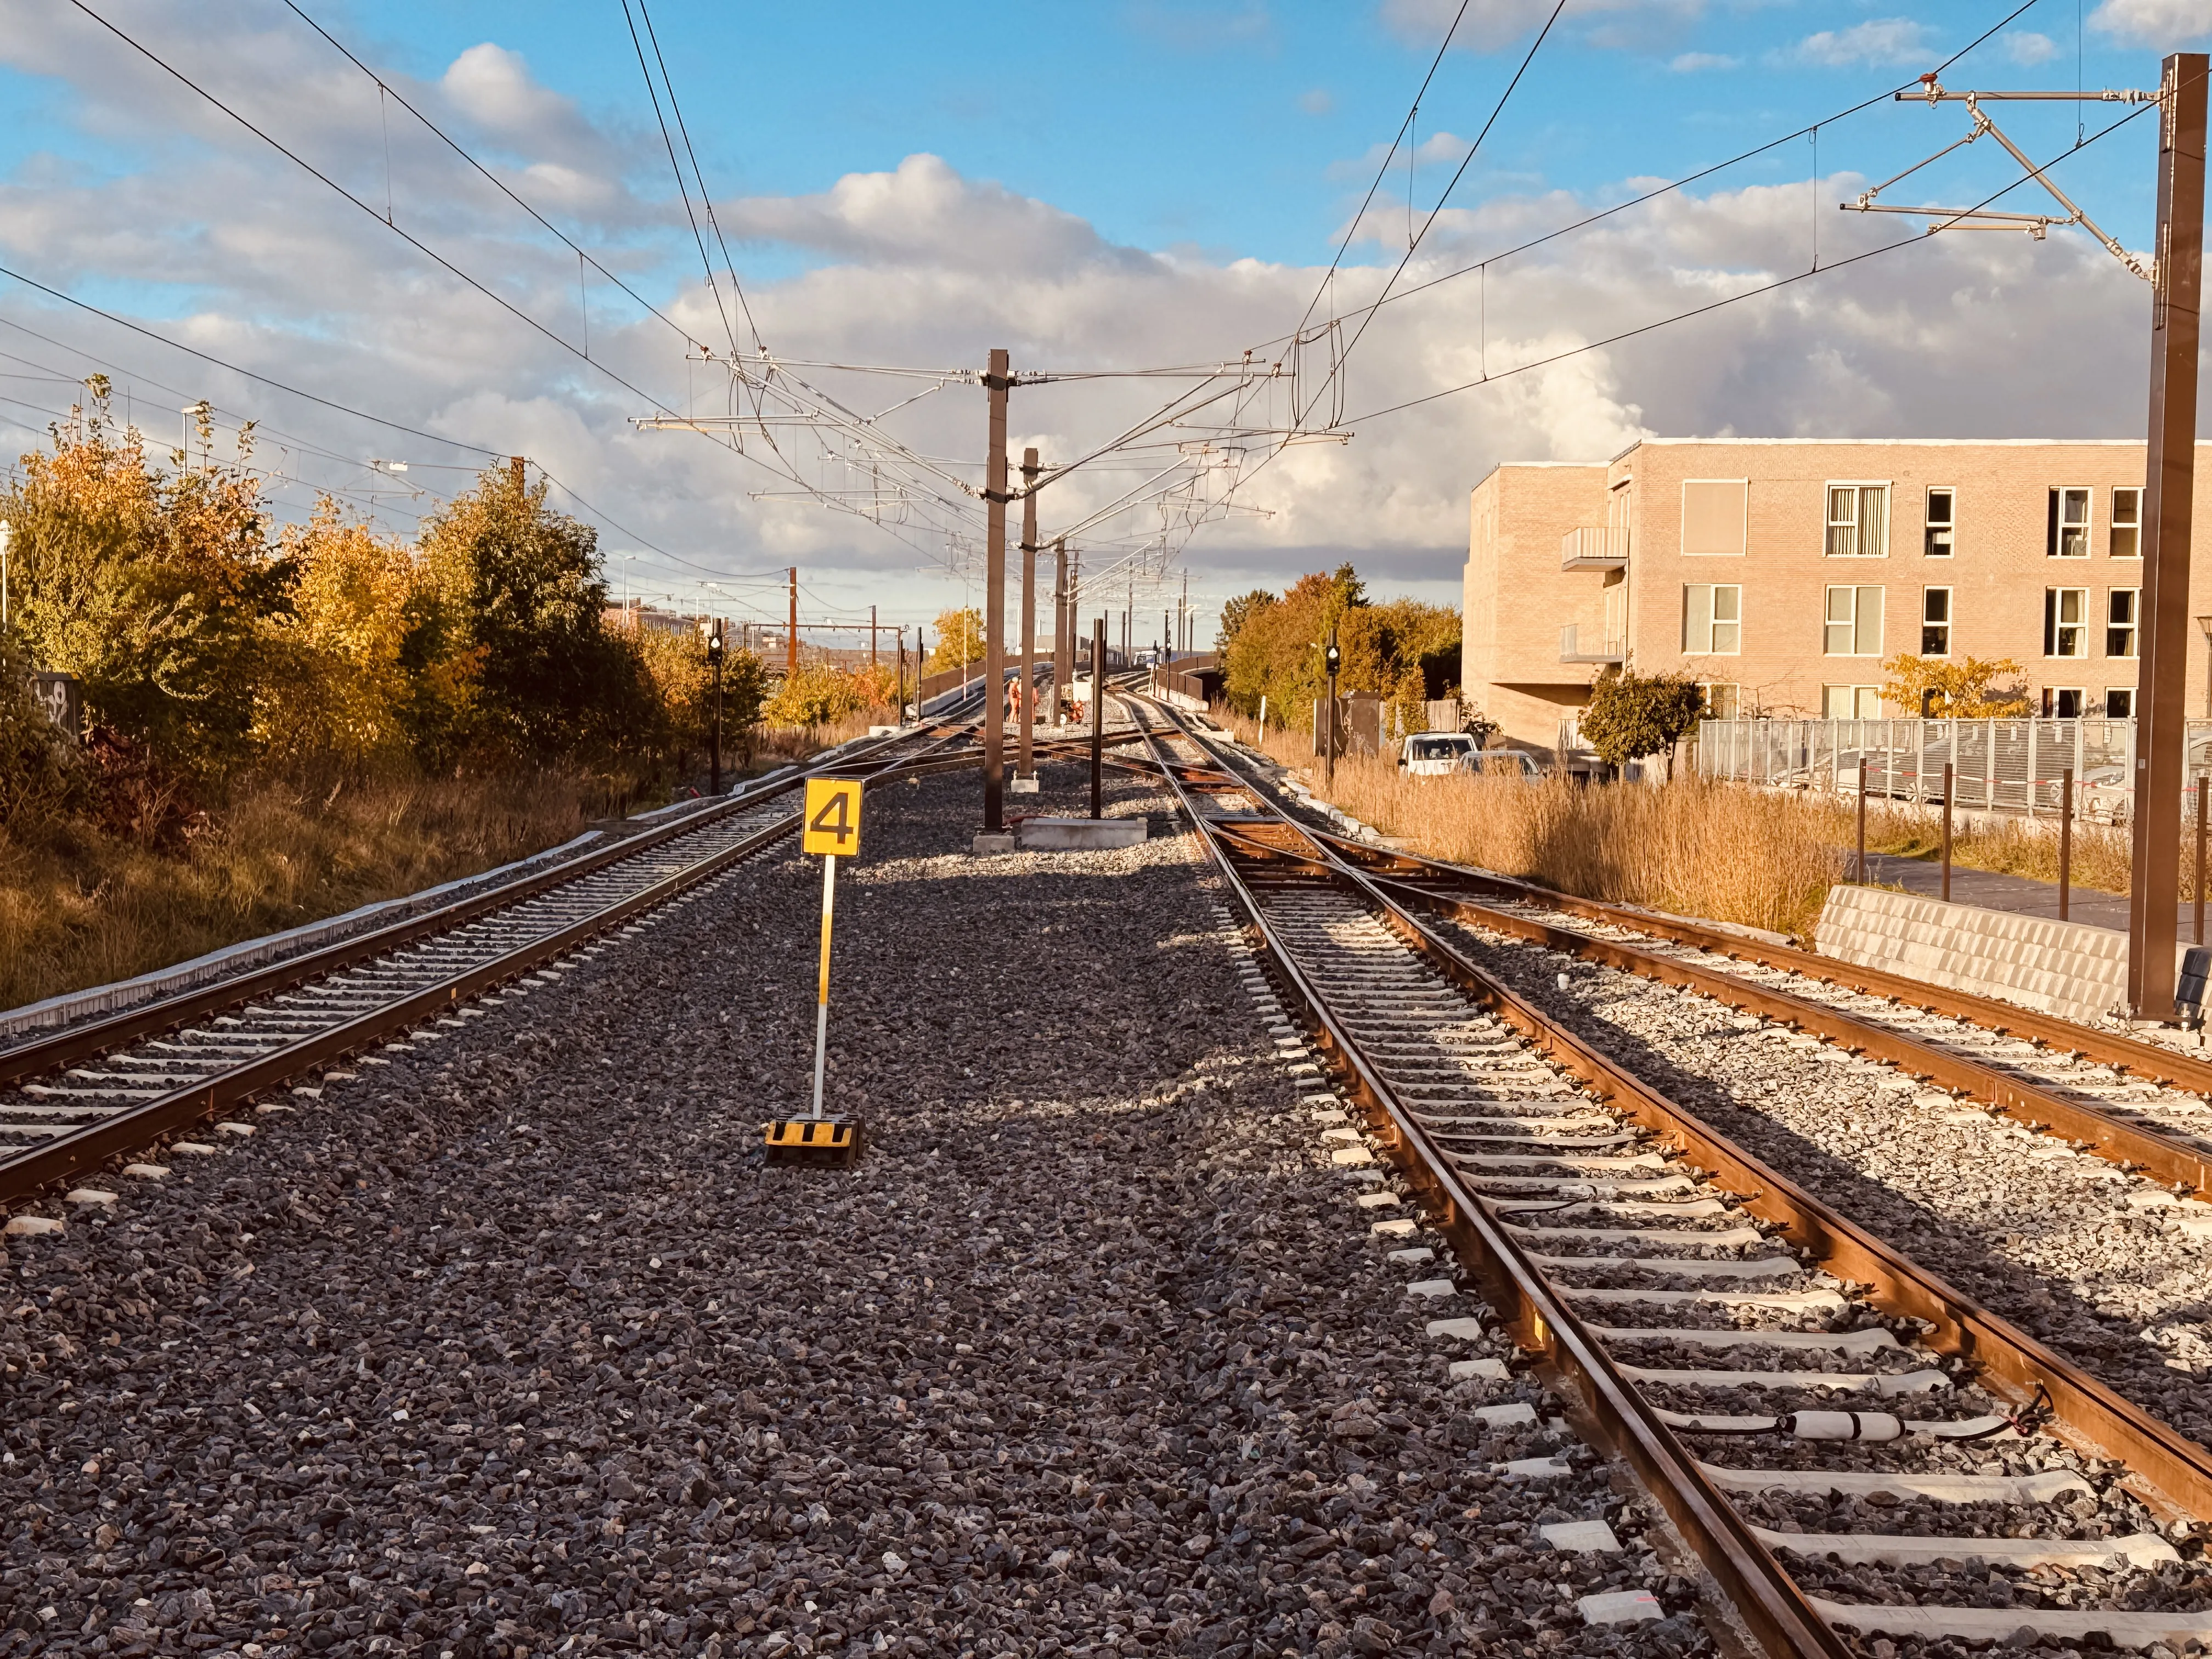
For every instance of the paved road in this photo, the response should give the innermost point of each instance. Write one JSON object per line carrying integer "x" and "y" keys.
{"x": 2020, "y": 894}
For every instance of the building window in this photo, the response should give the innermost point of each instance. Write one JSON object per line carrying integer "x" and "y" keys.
{"x": 1713, "y": 517}
{"x": 2120, "y": 608}
{"x": 1853, "y": 622}
{"x": 1858, "y": 521}
{"x": 2065, "y": 621}
{"x": 1712, "y": 620}
{"x": 1850, "y": 702}
{"x": 2062, "y": 702}
{"x": 1941, "y": 507}
{"x": 2127, "y": 524}
{"x": 2066, "y": 525}
{"x": 2120, "y": 702}
{"x": 1934, "y": 621}
{"x": 1722, "y": 702}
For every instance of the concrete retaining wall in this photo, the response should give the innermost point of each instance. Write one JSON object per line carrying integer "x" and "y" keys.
{"x": 2062, "y": 968}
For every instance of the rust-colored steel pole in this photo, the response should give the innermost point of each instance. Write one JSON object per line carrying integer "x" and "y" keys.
{"x": 791, "y": 634}
{"x": 995, "y": 383}
{"x": 1063, "y": 632}
{"x": 1097, "y": 713}
{"x": 2065, "y": 841}
{"x": 1024, "y": 759}
{"x": 2169, "y": 481}
{"x": 1946, "y": 832}
{"x": 1863, "y": 793}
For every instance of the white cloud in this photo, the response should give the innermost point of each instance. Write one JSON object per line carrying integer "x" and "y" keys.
{"x": 1878, "y": 40}
{"x": 1690, "y": 62}
{"x": 2161, "y": 24}
{"x": 2025, "y": 47}
{"x": 1317, "y": 101}
{"x": 921, "y": 264}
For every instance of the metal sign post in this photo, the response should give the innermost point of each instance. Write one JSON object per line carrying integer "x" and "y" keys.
{"x": 830, "y": 829}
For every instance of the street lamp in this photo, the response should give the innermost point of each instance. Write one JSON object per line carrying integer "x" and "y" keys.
{"x": 715, "y": 660}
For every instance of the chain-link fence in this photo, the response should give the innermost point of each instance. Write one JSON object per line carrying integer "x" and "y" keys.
{"x": 1997, "y": 765}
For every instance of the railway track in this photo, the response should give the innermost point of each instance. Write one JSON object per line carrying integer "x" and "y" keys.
{"x": 1856, "y": 1451}
{"x": 71, "y": 1101}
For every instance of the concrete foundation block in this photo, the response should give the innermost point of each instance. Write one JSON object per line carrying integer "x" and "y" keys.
{"x": 2063, "y": 967}
{"x": 993, "y": 841}
{"x": 1080, "y": 834}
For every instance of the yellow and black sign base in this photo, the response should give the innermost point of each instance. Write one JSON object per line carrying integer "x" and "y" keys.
{"x": 830, "y": 1140}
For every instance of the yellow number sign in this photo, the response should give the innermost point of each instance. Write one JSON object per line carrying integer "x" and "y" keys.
{"x": 833, "y": 817}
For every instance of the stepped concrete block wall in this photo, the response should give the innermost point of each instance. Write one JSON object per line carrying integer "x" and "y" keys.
{"x": 2063, "y": 967}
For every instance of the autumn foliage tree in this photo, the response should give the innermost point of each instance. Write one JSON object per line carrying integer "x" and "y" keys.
{"x": 1404, "y": 650}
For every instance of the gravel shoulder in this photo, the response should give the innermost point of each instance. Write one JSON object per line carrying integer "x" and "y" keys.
{"x": 511, "y": 1345}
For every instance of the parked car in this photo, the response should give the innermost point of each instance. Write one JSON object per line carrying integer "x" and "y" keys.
{"x": 1434, "y": 754}
{"x": 1501, "y": 763}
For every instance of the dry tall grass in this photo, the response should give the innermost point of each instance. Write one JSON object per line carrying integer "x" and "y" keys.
{"x": 1700, "y": 850}
{"x": 80, "y": 908}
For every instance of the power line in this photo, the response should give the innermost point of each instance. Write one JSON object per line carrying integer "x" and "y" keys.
{"x": 412, "y": 241}
{"x": 677, "y": 167}
{"x": 1750, "y": 293}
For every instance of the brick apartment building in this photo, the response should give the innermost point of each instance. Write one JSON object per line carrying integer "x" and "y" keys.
{"x": 1779, "y": 572}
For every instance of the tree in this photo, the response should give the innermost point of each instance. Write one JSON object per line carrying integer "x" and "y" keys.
{"x": 1236, "y": 612}
{"x": 959, "y": 639}
{"x": 521, "y": 600}
{"x": 1630, "y": 715}
{"x": 1402, "y": 649}
{"x": 815, "y": 695}
{"x": 1934, "y": 689}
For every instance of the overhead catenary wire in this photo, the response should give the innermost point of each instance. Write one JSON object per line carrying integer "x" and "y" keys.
{"x": 1748, "y": 294}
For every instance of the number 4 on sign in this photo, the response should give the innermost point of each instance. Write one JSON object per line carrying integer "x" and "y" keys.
{"x": 832, "y": 830}
{"x": 833, "y": 817}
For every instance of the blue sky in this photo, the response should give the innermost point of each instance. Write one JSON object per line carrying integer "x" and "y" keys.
{"x": 1117, "y": 183}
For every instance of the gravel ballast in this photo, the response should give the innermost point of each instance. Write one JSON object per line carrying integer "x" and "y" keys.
{"x": 2097, "y": 1263}
{"x": 510, "y": 1344}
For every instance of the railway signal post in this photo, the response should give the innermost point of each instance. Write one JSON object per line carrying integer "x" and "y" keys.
{"x": 714, "y": 661}
{"x": 831, "y": 830}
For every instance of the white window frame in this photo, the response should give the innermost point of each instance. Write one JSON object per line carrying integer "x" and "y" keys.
{"x": 2054, "y": 624}
{"x": 1857, "y": 695}
{"x": 1735, "y": 700}
{"x": 1702, "y": 622}
{"x": 1928, "y": 527}
{"x": 2132, "y": 628}
{"x": 1830, "y": 620}
{"x": 2055, "y": 525}
{"x": 1830, "y": 525}
{"x": 1950, "y": 617}
{"x": 1682, "y": 527}
{"x": 2051, "y": 694}
{"x": 2132, "y": 523}
{"x": 2127, "y": 691}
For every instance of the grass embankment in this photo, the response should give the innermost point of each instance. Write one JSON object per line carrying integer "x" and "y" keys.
{"x": 1760, "y": 858}
{"x": 80, "y": 907}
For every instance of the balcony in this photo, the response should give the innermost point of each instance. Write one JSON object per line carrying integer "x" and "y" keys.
{"x": 1593, "y": 548}
{"x": 1600, "y": 650}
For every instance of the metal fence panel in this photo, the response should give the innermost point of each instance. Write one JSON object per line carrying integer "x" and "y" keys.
{"x": 1997, "y": 765}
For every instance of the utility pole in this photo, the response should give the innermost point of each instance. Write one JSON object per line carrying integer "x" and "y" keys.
{"x": 996, "y": 381}
{"x": 872, "y": 636}
{"x": 2169, "y": 481}
{"x": 1097, "y": 713}
{"x": 2176, "y": 277}
{"x": 1063, "y": 645}
{"x": 1025, "y": 781}
{"x": 791, "y": 635}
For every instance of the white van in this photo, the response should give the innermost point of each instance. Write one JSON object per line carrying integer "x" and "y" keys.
{"x": 1434, "y": 754}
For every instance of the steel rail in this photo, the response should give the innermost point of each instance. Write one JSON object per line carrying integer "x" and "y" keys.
{"x": 68, "y": 1156}
{"x": 2145, "y": 1060}
{"x": 73, "y": 1044}
{"x": 2167, "y": 1157}
{"x": 2166, "y": 1468}
{"x": 1750, "y": 1578}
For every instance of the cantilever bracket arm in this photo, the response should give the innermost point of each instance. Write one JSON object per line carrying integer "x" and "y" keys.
{"x": 2038, "y": 225}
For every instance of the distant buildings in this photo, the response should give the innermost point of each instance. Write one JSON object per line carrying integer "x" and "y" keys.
{"x": 1780, "y": 573}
